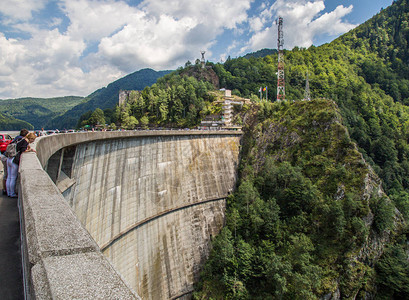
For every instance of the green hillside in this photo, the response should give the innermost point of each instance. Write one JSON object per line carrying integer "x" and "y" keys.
{"x": 261, "y": 53}
{"x": 37, "y": 111}
{"x": 374, "y": 110}
{"x": 10, "y": 123}
{"x": 106, "y": 97}
{"x": 308, "y": 219}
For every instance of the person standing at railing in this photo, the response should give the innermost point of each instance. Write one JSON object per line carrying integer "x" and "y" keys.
{"x": 13, "y": 163}
{"x": 23, "y": 133}
{"x": 3, "y": 159}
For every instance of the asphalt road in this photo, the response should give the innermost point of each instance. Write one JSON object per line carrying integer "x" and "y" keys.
{"x": 11, "y": 286}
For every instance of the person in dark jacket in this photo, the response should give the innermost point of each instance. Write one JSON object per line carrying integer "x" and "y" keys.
{"x": 23, "y": 133}
{"x": 23, "y": 145}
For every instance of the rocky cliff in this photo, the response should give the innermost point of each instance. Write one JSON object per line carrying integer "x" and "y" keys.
{"x": 309, "y": 219}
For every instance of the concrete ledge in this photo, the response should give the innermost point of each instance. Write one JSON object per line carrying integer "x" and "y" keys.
{"x": 52, "y": 227}
{"x": 78, "y": 276}
{"x": 61, "y": 259}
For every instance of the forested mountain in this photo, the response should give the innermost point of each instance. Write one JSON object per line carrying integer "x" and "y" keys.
{"x": 308, "y": 219}
{"x": 64, "y": 112}
{"x": 175, "y": 100}
{"x": 365, "y": 71}
{"x": 36, "y": 111}
{"x": 375, "y": 109}
{"x": 10, "y": 123}
{"x": 261, "y": 53}
{"x": 106, "y": 97}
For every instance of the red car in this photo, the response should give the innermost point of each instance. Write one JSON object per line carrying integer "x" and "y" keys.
{"x": 5, "y": 139}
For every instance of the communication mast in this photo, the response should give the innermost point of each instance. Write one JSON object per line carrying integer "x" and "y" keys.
{"x": 280, "y": 72}
{"x": 307, "y": 95}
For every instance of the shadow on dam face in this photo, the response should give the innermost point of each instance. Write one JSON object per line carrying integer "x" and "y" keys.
{"x": 151, "y": 203}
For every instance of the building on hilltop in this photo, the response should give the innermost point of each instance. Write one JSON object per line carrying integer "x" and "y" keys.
{"x": 228, "y": 103}
{"x": 225, "y": 119}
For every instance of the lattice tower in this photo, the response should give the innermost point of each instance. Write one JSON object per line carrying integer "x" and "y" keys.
{"x": 280, "y": 72}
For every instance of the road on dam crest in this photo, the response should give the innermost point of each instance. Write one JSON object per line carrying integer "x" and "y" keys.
{"x": 11, "y": 285}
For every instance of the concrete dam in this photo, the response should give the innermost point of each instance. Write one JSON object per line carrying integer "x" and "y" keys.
{"x": 152, "y": 201}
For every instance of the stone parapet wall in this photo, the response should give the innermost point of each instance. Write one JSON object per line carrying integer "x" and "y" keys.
{"x": 60, "y": 258}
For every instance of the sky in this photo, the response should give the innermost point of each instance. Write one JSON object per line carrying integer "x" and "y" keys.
{"x": 53, "y": 48}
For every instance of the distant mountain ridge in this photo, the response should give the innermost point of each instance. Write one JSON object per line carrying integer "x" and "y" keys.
{"x": 10, "y": 123}
{"x": 64, "y": 112}
{"x": 107, "y": 97}
{"x": 35, "y": 111}
{"x": 261, "y": 53}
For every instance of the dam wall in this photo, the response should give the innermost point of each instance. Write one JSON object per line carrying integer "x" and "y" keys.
{"x": 152, "y": 201}
{"x": 153, "y": 204}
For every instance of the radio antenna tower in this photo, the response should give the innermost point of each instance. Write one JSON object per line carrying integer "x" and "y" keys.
{"x": 307, "y": 95}
{"x": 280, "y": 72}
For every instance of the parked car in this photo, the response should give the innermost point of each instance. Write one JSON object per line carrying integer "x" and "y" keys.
{"x": 50, "y": 132}
{"x": 5, "y": 139}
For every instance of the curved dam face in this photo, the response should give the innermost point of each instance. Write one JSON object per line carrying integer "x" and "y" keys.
{"x": 153, "y": 203}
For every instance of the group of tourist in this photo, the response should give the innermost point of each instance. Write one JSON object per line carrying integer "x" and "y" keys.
{"x": 11, "y": 163}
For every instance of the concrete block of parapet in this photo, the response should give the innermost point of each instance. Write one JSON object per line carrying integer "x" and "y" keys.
{"x": 51, "y": 228}
{"x": 30, "y": 162}
{"x": 79, "y": 276}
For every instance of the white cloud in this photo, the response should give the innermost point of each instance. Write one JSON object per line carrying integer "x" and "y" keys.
{"x": 219, "y": 14}
{"x": 302, "y": 23}
{"x": 55, "y": 22}
{"x": 93, "y": 20}
{"x": 168, "y": 33}
{"x": 36, "y": 63}
{"x": 123, "y": 38}
{"x": 11, "y": 53}
{"x": 147, "y": 42}
{"x": 21, "y": 9}
{"x": 334, "y": 18}
{"x": 103, "y": 40}
{"x": 256, "y": 24}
